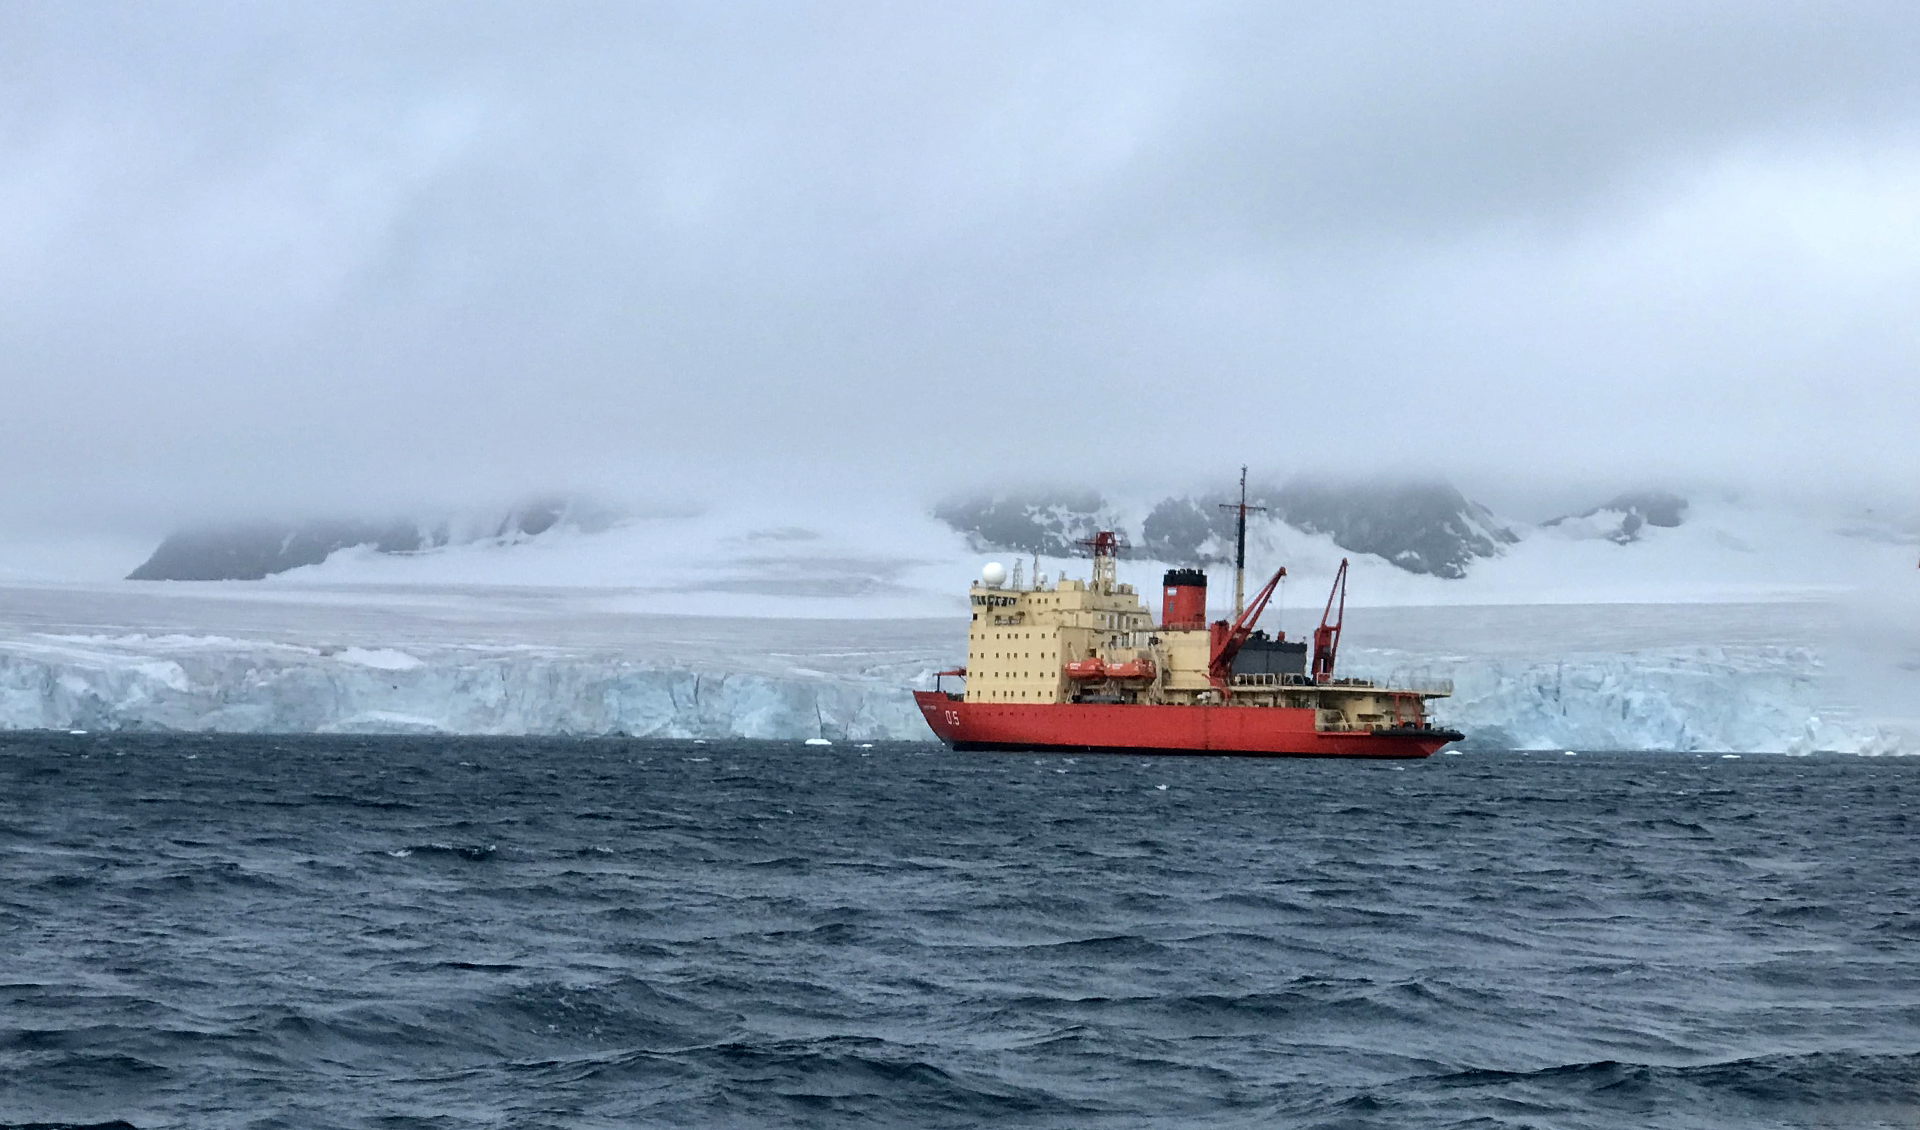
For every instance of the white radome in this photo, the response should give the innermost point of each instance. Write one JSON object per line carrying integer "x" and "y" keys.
{"x": 995, "y": 574}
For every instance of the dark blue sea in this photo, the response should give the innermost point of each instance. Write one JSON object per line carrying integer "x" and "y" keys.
{"x": 450, "y": 933}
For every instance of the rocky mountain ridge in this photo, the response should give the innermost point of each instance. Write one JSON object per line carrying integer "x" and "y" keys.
{"x": 250, "y": 551}
{"x": 1426, "y": 528}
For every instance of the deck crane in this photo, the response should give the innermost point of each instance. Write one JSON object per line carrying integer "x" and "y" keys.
{"x": 1326, "y": 637}
{"x": 1227, "y": 639}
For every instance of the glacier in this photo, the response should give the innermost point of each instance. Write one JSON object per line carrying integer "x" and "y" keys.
{"x": 489, "y": 660}
{"x": 211, "y": 684}
{"x": 1720, "y": 699}
{"x": 1734, "y": 699}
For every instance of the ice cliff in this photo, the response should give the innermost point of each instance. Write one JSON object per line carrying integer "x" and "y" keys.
{"x": 197, "y": 683}
{"x": 1755, "y": 698}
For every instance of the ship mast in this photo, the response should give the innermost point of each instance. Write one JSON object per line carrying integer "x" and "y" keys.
{"x": 1104, "y": 545}
{"x": 1240, "y": 544}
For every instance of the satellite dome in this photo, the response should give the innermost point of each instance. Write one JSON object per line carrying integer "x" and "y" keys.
{"x": 995, "y": 574}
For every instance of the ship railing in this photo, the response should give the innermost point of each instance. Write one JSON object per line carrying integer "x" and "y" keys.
{"x": 1257, "y": 679}
{"x": 1269, "y": 679}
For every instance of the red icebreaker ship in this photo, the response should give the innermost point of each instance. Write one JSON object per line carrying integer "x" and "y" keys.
{"x": 1080, "y": 666}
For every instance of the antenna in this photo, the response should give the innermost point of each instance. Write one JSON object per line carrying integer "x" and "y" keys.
{"x": 1240, "y": 544}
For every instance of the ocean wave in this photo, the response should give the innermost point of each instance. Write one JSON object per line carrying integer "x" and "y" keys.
{"x": 598, "y": 934}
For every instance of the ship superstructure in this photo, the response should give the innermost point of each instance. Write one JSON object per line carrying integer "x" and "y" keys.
{"x": 1081, "y": 664}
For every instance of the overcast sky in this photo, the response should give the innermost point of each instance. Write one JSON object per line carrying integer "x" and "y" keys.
{"x": 356, "y": 257}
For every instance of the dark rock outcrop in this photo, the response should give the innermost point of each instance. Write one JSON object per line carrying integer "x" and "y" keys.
{"x": 1629, "y": 514}
{"x": 1186, "y": 532}
{"x": 252, "y": 550}
{"x": 1430, "y": 528}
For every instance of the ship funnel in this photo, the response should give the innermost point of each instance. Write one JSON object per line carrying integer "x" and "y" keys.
{"x": 1183, "y": 599}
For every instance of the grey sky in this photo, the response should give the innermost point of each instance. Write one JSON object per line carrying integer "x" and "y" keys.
{"x": 260, "y": 258}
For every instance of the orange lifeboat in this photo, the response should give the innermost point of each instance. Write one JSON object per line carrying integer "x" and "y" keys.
{"x": 1087, "y": 669}
{"x": 1100, "y": 669}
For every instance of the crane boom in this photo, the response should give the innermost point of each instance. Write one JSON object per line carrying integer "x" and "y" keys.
{"x": 1228, "y": 638}
{"x": 1326, "y": 637}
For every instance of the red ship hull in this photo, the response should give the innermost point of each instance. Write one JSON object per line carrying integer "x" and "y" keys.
{"x": 1253, "y": 731}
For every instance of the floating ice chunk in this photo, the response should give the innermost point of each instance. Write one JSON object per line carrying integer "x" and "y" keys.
{"x": 818, "y": 741}
{"x": 384, "y": 722}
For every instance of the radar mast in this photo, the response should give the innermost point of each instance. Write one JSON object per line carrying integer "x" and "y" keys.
{"x": 1240, "y": 544}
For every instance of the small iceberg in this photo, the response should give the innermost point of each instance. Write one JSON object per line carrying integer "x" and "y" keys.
{"x": 380, "y": 658}
{"x": 818, "y": 741}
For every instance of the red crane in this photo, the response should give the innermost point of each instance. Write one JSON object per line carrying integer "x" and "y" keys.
{"x": 1326, "y": 637}
{"x": 1227, "y": 638}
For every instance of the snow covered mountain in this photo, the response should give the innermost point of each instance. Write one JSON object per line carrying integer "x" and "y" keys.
{"x": 1410, "y": 544}
{"x": 249, "y": 551}
{"x": 1426, "y": 528}
{"x": 1049, "y": 527}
